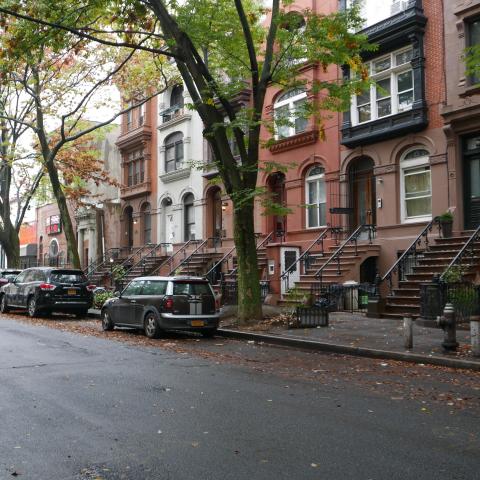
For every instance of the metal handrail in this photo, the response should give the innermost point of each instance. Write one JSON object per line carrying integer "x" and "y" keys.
{"x": 338, "y": 252}
{"x": 202, "y": 245}
{"x": 149, "y": 253}
{"x": 412, "y": 248}
{"x": 171, "y": 257}
{"x": 318, "y": 241}
{"x": 260, "y": 245}
{"x": 475, "y": 236}
{"x": 97, "y": 263}
{"x": 215, "y": 265}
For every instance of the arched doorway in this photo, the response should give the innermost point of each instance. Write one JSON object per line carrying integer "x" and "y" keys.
{"x": 362, "y": 193}
{"x": 146, "y": 217}
{"x": 214, "y": 215}
{"x": 128, "y": 226}
{"x": 53, "y": 251}
{"x": 276, "y": 188}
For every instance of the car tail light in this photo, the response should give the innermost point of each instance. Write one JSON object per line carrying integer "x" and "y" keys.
{"x": 91, "y": 288}
{"x": 47, "y": 287}
{"x": 217, "y": 304}
{"x": 168, "y": 304}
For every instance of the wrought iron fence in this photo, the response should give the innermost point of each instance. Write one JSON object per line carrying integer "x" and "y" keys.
{"x": 464, "y": 296}
{"x": 230, "y": 291}
{"x": 343, "y": 298}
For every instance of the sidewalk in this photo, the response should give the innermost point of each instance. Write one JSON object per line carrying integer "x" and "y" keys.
{"x": 355, "y": 334}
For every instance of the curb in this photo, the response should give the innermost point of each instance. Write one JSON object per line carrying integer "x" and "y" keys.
{"x": 348, "y": 350}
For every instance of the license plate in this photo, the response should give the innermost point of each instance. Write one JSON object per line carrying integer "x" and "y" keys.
{"x": 198, "y": 323}
{"x": 71, "y": 292}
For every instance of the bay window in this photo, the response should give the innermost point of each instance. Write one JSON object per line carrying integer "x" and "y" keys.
{"x": 392, "y": 91}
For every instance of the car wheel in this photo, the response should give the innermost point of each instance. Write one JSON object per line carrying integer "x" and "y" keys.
{"x": 152, "y": 330}
{"x": 32, "y": 307}
{"x": 3, "y": 304}
{"x": 209, "y": 333}
{"x": 107, "y": 323}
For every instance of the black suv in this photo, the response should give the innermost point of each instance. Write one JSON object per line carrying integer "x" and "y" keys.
{"x": 46, "y": 289}
{"x": 155, "y": 304}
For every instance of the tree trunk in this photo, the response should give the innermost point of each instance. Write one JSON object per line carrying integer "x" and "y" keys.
{"x": 249, "y": 302}
{"x": 10, "y": 244}
{"x": 64, "y": 215}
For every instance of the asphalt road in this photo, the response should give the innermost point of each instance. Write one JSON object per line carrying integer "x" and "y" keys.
{"x": 81, "y": 407}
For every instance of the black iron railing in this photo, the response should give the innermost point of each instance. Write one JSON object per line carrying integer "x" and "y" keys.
{"x": 150, "y": 254}
{"x": 409, "y": 258}
{"x": 305, "y": 257}
{"x": 352, "y": 239}
{"x": 185, "y": 263}
{"x": 468, "y": 251}
{"x": 103, "y": 260}
{"x": 171, "y": 259}
{"x": 214, "y": 273}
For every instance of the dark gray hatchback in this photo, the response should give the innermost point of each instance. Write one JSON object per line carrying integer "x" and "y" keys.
{"x": 155, "y": 304}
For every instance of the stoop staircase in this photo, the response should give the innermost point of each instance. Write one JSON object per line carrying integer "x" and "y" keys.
{"x": 338, "y": 263}
{"x": 435, "y": 259}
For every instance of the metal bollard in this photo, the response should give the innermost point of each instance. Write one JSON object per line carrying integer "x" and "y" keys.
{"x": 448, "y": 323}
{"x": 475, "y": 335}
{"x": 408, "y": 332}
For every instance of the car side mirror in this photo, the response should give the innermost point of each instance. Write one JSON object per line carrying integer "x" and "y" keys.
{"x": 116, "y": 294}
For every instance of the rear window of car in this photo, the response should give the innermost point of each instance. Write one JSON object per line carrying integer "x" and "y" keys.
{"x": 67, "y": 276}
{"x": 154, "y": 287}
{"x": 191, "y": 288}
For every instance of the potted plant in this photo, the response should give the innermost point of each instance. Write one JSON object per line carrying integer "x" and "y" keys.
{"x": 446, "y": 224}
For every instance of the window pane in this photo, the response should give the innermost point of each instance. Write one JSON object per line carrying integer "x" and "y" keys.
{"x": 322, "y": 191}
{"x": 381, "y": 65}
{"x": 132, "y": 289}
{"x": 364, "y": 113}
{"x": 417, "y": 184}
{"x": 475, "y": 178}
{"x": 312, "y": 216}
{"x": 405, "y": 81}
{"x": 383, "y": 88}
{"x": 312, "y": 192}
{"x": 282, "y": 119}
{"x": 418, "y": 207}
{"x": 154, "y": 287}
{"x": 405, "y": 101}
{"x": 403, "y": 57}
{"x": 364, "y": 98}
{"x": 323, "y": 213}
{"x": 300, "y": 122}
{"x": 384, "y": 107}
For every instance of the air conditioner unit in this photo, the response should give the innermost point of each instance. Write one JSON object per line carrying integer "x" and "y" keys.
{"x": 399, "y": 6}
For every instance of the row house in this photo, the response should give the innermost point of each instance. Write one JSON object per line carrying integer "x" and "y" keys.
{"x": 362, "y": 197}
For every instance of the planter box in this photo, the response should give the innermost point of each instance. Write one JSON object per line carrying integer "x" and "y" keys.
{"x": 306, "y": 317}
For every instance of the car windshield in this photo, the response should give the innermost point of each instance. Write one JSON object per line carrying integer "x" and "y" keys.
{"x": 191, "y": 288}
{"x": 10, "y": 275}
{"x": 68, "y": 276}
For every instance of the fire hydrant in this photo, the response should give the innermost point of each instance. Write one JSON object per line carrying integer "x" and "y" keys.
{"x": 448, "y": 323}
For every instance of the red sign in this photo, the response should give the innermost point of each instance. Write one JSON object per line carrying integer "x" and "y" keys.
{"x": 53, "y": 225}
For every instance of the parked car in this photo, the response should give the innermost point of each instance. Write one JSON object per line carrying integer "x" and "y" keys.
{"x": 155, "y": 304}
{"x": 43, "y": 290}
{"x": 7, "y": 275}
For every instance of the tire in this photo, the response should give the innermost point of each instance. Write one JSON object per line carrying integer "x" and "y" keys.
{"x": 81, "y": 313}
{"x": 210, "y": 333}
{"x": 32, "y": 307}
{"x": 3, "y": 305}
{"x": 150, "y": 325}
{"x": 107, "y": 323}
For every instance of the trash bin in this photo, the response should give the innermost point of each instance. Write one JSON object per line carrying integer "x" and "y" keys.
{"x": 351, "y": 295}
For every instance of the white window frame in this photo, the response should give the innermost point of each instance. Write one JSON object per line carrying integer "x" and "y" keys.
{"x": 315, "y": 179}
{"x": 290, "y": 102}
{"x": 393, "y": 72}
{"x": 406, "y": 165}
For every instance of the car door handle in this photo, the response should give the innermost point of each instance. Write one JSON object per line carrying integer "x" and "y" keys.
{"x": 133, "y": 301}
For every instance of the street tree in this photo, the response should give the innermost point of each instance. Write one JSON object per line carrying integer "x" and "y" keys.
{"x": 68, "y": 78}
{"x": 220, "y": 48}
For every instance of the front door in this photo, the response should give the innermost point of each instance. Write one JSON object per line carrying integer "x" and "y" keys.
{"x": 362, "y": 194}
{"x": 471, "y": 183}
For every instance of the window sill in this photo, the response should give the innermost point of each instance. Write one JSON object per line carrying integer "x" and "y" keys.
{"x": 408, "y": 221}
{"x": 174, "y": 121}
{"x": 135, "y": 190}
{"x": 295, "y": 141}
{"x": 175, "y": 175}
